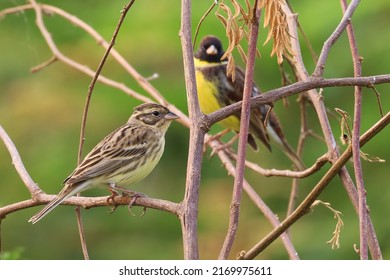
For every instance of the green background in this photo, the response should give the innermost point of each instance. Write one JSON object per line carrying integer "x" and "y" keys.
{"x": 42, "y": 114}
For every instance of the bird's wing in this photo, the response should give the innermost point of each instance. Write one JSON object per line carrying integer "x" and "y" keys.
{"x": 113, "y": 152}
{"x": 256, "y": 124}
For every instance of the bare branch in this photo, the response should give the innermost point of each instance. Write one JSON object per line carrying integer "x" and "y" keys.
{"x": 320, "y": 162}
{"x": 189, "y": 218}
{"x": 92, "y": 202}
{"x": 243, "y": 138}
{"x": 18, "y": 164}
{"x": 334, "y": 37}
{"x": 274, "y": 95}
{"x": 363, "y": 211}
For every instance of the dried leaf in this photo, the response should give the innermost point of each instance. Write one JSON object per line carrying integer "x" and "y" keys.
{"x": 370, "y": 158}
{"x": 346, "y": 131}
{"x": 335, "y": 240}
{"x": 235, "y": 18}
{"x": 276, "y": 20}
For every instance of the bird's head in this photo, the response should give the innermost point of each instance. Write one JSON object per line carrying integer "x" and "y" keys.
{"x": 154, "y": 115}
{"x": 210, "y": 49}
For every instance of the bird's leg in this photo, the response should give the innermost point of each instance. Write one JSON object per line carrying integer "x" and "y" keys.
{"x": 133, "y": 199}
{"x": 113, "y": 188}
{"x": 114, "y": 193}
{"x": 127, "y": 192}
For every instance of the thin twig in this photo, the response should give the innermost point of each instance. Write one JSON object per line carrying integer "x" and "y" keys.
{"x": 201, "y": 21}
{"x": 32, "y": 187}
{"x": 85, "y": 115}
{"x": 320, "y": 162}
{"x": 43, "y": 65}
{"x": 301, "y": 141}
{"x": 96, "y": 76}
{"x": 319, "y": 70}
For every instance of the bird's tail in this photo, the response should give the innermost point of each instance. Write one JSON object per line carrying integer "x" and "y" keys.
{"x": 65, "y": 193}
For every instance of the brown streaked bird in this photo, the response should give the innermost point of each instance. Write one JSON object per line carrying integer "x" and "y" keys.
{"x": 217, "y": 90}
{"x": 122, "y": 158}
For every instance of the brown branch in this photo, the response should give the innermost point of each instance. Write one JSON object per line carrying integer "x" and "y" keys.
{"x": 304, "y": 207}
{"x": 363, "y": 210}
{"x": 274, "y": 95}
{"x": 320, "y": 162}
{"x": 43, "y": 65}
{"x": 189, "y": 215}
{"x": 18, "y": 164}
{"x": 92, "y": 202}
{"x": 243, "y": 135}
{"x": 304, "y": 132}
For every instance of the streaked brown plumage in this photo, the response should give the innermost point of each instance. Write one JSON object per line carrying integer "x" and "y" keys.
{"x": 122, "y": 158}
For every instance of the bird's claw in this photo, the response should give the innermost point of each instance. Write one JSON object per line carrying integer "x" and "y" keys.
{"x": 134, "y": 197}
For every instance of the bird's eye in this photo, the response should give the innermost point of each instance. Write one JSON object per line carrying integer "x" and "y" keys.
{"x": 156, "y": 113}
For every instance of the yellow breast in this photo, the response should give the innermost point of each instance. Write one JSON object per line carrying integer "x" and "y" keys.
{"x": 207, "y": 94}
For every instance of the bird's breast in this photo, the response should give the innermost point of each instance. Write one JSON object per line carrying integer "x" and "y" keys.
{"x": 209, "y": 101}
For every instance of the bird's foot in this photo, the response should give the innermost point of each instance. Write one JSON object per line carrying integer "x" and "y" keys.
{"x": 125, "y": 193}
{"x": 134, "y": 196}
{"x": 110, "y": 199}
{"x": 114, "y": 193}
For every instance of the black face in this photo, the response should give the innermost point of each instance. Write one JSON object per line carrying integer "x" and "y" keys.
{"x": 210, "y": 49}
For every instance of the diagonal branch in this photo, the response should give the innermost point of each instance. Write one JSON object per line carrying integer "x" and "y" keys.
{"x": 318, "y": 72}
{"x": 18, "y": 164}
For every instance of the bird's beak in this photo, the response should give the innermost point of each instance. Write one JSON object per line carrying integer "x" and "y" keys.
{"x": 171, "y": 116}
{"x": 212, "y": 50}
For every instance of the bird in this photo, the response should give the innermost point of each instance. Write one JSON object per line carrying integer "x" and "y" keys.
{"x": 122, "y": 158}
{"x": 216, "y": 90}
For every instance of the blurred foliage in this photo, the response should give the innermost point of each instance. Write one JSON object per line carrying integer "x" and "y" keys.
{"x": 42, "y": 114}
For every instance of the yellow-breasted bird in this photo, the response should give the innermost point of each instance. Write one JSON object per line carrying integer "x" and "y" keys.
{"x": 217, "y": 90}
{"x": 122, "y": 158}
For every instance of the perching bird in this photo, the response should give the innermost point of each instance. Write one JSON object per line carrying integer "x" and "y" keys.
{"x": 217, "y": 90}
{"x": 122, "y": 158}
